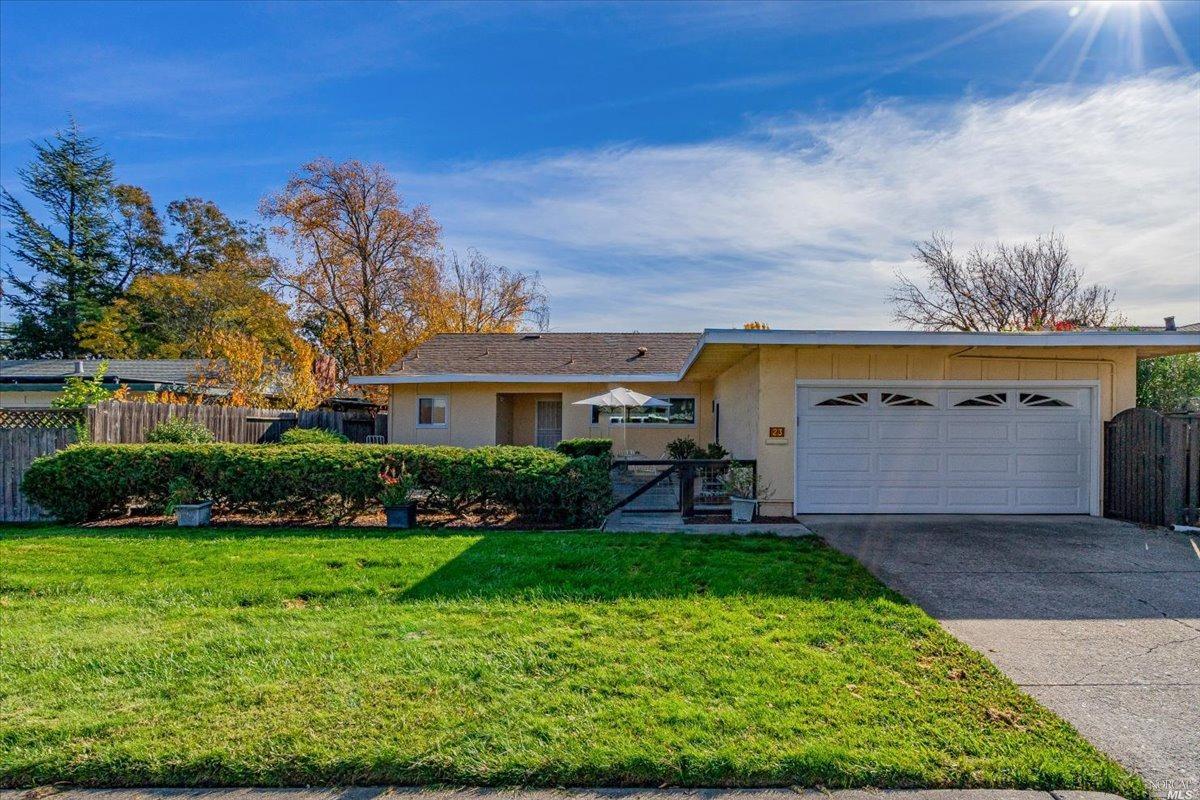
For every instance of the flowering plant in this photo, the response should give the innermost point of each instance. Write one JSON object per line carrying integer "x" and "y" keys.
{"x": 398, "y": 486}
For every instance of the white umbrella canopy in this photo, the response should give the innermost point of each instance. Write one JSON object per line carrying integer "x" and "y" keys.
{"x": 622, "y": 398}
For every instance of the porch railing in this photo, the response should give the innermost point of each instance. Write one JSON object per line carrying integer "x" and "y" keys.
{"x": 670, "y": 486}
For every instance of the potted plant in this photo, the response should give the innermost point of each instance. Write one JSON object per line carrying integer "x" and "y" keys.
{"x": 397, "y": 496}
{"x": 744, "y": 496}
{"x": 184, "y": 502}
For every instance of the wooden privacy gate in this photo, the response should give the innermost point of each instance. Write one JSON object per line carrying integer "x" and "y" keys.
{"x": 1152, "y": 467}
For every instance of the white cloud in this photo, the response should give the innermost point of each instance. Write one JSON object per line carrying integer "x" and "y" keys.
{"x": 801, "y": 222}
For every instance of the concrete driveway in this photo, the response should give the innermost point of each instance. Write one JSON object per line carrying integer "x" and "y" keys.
{"x": 1097, "y": 619}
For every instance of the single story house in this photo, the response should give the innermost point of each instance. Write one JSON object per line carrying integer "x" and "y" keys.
{"x": 838, "y": 421}
{"x": 36, "y": 382}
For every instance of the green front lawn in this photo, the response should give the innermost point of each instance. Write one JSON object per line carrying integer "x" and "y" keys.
{"x": 153, "y": 656}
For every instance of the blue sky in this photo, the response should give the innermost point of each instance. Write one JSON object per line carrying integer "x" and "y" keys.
{"x": 664, "y": 166}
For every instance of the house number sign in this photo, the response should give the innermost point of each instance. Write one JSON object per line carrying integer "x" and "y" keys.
{"x": 776, "y": 432}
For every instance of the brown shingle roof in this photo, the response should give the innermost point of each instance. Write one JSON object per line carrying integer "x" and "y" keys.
{"x": 549, "y": 354}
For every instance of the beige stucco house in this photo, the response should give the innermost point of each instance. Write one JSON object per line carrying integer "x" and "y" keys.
{"x": 838, "y": 421}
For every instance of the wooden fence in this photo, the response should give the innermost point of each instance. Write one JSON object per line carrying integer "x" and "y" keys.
{"x": 128, "y": 423}
{"x": 1152, "y": 467}
{"x": 18, "y": 448}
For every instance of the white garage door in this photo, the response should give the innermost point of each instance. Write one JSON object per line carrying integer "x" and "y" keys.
{"x": 1020, "y": 449}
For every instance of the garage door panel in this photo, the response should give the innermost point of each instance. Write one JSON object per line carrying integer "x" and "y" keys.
{"x": 901, "y": 496}
{"x": 977, "y": 430}
{"x": 999, "y": 454}
{"x": 834, "y": 497}
{"x": 891, "y": 429}
{"x": 977, "y": 497}
{"x": 908, "y": 462}
{"x": 975, "y": 463}
{"x": 1048, "y": 464}
{"x": 818, "y": 463}
{"x": 1048, "y": 431}
{"x": 1047, "y": 496}
{"x": 839, "y": 430}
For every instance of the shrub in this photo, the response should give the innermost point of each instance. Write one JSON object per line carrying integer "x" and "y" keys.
{"x": 312, "y": 436}
{"x": 585, "y": 447}
{"x": 682, "y": 448}
{"x": 179, "y": 430}
{"x": 95, "y": 481}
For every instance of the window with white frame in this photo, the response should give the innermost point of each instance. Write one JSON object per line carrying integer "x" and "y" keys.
{"x": 432, "y": 411}
{"x": 681, "y": 412}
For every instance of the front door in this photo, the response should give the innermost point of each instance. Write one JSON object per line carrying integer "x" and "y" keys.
{"x": 549, "y": 423}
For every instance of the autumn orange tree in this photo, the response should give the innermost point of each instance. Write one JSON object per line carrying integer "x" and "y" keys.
{"x": 202, "y": 294}
{"x": 369, "y": 278}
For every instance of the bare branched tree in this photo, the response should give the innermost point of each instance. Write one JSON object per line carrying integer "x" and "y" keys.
{"x": 1025, "y": 286}
{"x": 483, "y": 297}
{"x": 365, "y": 266}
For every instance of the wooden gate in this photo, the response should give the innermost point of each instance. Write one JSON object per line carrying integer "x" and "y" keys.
{"x": 1152, "y": 467}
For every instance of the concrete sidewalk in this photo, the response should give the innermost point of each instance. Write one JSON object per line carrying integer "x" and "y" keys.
{"x": 409, "y": 793}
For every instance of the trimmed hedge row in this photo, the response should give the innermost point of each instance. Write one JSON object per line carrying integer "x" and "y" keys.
{"x": 585, "y": 447}
{"x": 87, "y": 482}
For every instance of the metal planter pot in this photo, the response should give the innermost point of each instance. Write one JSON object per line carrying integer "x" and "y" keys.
{"x": 401, "y": 516}
{"x": 194, "y": 515}
{"x": 742, "y": 509}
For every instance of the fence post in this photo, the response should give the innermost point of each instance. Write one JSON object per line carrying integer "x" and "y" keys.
{"x": 687, "y": 489}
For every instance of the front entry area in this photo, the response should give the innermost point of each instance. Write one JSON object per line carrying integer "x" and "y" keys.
{"x": 529, "y": 419}
{"x": 1020, "y": 448}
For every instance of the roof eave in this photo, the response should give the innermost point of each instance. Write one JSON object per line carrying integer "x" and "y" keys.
{"x": 955, "y": 338}
{"x": 650, "y": 377}
{"x": 1164, "y": 341}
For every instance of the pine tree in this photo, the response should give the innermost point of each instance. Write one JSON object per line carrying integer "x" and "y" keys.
{"x": 75, "y": 272}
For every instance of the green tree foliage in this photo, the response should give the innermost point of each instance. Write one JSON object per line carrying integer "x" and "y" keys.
{"x": 79, "y": 391}
{"x": 69, "y": 252}
{"x": 209, "y": 279}
{"x": 179, "y": 430}
{"x": 138, "y": 232}
{"x": 206, "y": 240}
{"x": 1169, "y": 383}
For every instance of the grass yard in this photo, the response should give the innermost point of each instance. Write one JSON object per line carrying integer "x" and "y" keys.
{"x": 228, "y": 657}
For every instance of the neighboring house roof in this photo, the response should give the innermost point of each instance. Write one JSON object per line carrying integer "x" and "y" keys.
{"x": 176, "y": 372}
{"x": 560, "y": 354}
{"x": 613, "y": 357}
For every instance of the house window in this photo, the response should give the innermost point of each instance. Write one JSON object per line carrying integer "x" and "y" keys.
{"x": 681, "y": 412}
{"x": 855, "y": 399}
{"x": 1043, "y": 401}
{"x": 988, "y": 400}
{"x": 896, "y": 399}
{"x": 431, "y": 412}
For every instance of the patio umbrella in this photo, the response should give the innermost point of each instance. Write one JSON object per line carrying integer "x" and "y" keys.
{"x": 622, "y": 398}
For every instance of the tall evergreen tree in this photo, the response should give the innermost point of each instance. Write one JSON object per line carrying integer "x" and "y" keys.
{"x": 75, "y": 271}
